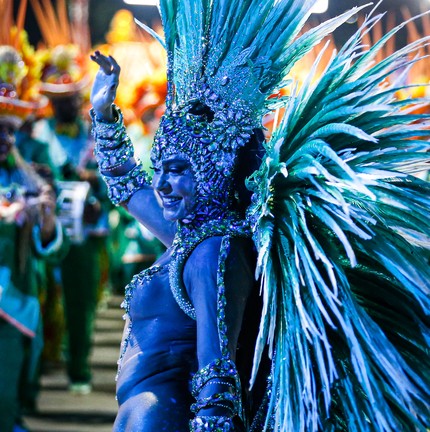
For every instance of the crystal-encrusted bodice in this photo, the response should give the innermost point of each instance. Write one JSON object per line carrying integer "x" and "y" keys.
{"x": 159, "y": 342}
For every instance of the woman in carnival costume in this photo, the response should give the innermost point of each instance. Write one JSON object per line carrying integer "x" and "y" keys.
{"x": 339, "y": 224}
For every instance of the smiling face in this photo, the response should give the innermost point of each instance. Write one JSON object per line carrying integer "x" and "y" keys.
{"x": 174, "y": 183}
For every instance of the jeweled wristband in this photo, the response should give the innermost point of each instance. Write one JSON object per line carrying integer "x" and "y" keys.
{"x": 211, "y": 424}
{"x": 108, "y": 134}
{"x": 224, "y": 399}
{"x": 109, "y": 160}
{"x": 218, "y": 368}
{"x": 121, "y": 188}
{"x": 113, "y": 146}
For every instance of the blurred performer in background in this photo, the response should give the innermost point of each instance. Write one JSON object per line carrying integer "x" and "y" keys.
{"x": 34, "y": 151}
{"x": 142, "y": 91}
{"x": 29, "y": 230}
{"x": 82, "y": 196}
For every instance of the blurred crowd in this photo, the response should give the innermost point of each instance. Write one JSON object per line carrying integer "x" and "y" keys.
{"x": 64, "y": 247}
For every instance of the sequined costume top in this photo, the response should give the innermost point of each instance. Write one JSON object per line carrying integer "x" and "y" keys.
{"x": 163, "y": 346}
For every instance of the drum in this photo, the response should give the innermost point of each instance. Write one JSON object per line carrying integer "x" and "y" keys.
{"x": 72, "y": 196}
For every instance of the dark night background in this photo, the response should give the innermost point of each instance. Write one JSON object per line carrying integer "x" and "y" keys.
{"x": 102, "y": 11}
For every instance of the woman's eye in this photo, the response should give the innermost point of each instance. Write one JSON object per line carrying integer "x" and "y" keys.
{"x": 176, "y": 169}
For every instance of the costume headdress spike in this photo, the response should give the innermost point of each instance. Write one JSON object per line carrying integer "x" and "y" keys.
{"x": 7, "y": 38}
{"x": 235, "y": 48}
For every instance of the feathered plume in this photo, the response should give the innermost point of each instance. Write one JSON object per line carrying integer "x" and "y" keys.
{"x": 343, "y": 235}
{"x": 235, "y": 48}
{"x": 56, "y": 26}
{"x": 8, "y": 22}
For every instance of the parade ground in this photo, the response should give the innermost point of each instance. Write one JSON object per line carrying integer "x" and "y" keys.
{"x": 59, "y": 410}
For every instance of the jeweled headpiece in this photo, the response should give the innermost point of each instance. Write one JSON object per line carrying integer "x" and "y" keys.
{"x": 224, "y": 61}
{"x": 210, "y": 140}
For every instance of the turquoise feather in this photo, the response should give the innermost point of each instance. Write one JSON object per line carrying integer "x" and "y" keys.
{"x": 347, "y": 215}
{"x": 253, "y": 43}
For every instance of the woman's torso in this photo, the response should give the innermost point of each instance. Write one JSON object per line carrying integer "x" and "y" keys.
{"x": 159, "y": 351}
{"x": 158, "y": 357}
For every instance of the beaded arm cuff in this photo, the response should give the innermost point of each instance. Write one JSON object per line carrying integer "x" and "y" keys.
{"x": 226, "y": 400}
{"x": 113, "y": 150}
{"x": 111, "y": 159}
{"x": 211, "y": 424}
{"x": 221, "y": 372}
{"x": 121, "y": 188}
{"x": 219, "y": 368}
{"x": 108, "y": 133}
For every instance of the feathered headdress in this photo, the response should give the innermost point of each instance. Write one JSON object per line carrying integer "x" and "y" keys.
{"x": 19, "y": 69}
{"x": 64, "y": 58}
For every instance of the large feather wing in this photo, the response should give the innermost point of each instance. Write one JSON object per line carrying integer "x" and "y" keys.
{"x": 343, "y": 236}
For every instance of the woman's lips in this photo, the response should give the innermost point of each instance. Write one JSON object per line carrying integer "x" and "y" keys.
{"x": 170, "y": 201}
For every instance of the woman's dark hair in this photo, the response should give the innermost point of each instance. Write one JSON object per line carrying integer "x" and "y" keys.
{"x": 248, "y": 159}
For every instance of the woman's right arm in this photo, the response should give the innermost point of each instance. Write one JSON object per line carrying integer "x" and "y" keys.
{"x": 103, "y": 91}
{"x": 144, "y": 207}
{"x": 128, "y": 184}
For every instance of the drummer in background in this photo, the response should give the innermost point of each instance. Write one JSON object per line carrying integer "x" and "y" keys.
{"x": 71, "y": 149}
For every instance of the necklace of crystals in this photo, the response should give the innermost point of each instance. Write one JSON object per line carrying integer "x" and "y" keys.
{"x": 186, "y": 239}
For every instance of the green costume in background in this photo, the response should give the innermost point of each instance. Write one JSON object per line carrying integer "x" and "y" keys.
{"x": 36, "y": 153}
{"x": 71, "y": 153}
{"x": 20, "y": 321}
{"x": 132, "y": 248}
{"x": 30, "y": 233}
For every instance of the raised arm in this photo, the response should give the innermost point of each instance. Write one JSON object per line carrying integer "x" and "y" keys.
{"x": 103, "y": 92}
{"x": 128, "y": 184}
